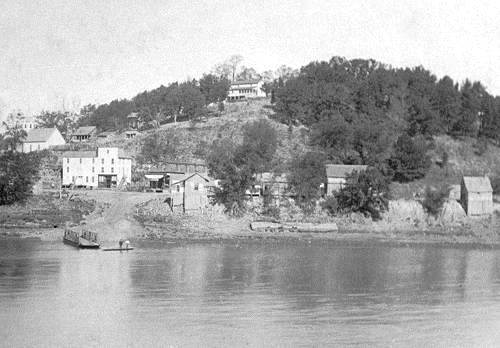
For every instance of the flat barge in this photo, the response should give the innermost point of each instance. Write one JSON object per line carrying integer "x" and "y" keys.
{"x": 83, "y": 240}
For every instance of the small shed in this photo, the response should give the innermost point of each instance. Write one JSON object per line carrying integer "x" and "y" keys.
{"x": 84, "y": 134}
{"x": 336, "y": 175}
{"x": 476, "y": 195}
{"x": 190, "y": 193}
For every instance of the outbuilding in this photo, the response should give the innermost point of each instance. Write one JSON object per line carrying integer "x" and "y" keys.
{"x": 476, "y": 195}
{"x": 190, "y": 194}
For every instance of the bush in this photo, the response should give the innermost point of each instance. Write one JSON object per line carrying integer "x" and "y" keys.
{"x": 495, "y": 184}
{"x": 331, "y": 205}
{"x": 410, "y": 160}
{"x": 366, "y": 192}
{"x": 434, "y": 199}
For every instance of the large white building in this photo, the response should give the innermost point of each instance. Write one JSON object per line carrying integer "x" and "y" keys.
{"x": 105, "y": 168}
{"x": 248, "y": 89}
{"x": 41, "y": 139}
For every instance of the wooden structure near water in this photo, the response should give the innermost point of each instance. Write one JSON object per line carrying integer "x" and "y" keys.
{"x": 83, "y": 240}
{"x": 476, "y": 195}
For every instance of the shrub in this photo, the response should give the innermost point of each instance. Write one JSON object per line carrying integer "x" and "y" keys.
{"x": 495, "y": 184}
{"x": 366, "y": 192}
{"x": 434, "y": 199}
{"x": 331, "y": 205}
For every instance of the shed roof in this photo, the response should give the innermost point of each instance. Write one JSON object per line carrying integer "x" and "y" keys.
{"x": 79, "y": 154}
{"x": 477, "y": 184}
{"x": 85, "y": 130}
{"x": 189, "y": 176}
{"x": 38, "y": 135}
{"x": 133, "y": 115}
{"x": 342, "y": 170}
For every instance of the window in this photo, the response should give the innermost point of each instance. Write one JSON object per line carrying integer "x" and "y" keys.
{"x": 102, "y": 169}
{"x": 93, "y": 160}
{"x": 102, "y": 161}
{"x": 112, "y": 161}
{"x": 92, "y": 179}
{"x": 112, "y": 170}
{"x": 67, "y": 169}
{"x": 86, "y": 179}
{"x": 73, "y": 179}
{"x": 107, "y": 152}
{"x": 196, "y": 187}
{"x": 92, "y": 169}
{"x": 178, "y": 188}
{"x": 67, "y": 160}
{"x": 38, "y": 147}
{"x": 80, "y": 161}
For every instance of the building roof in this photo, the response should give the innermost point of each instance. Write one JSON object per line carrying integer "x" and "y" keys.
{"x": 105, "y": 134}
{"x": 244, "y": 82}
{"x": 84, "y": 130}
{"x": 133, "y": 115}
{"x": 133, "y": 131}
{"x": 79, "y": 154}
{"x": 477, "y": 184}
{"x": 342, "y": 170}
{"x": 123, "y": 154}
{"x": 189, "y": 176}
{"x": 179, "y": 167}
{"x": 39, "y": 135}
{"x": 271, "y": 177}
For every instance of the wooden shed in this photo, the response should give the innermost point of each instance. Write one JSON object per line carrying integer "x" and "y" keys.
{"x": 190, "y": 193}
{"x": 476, "y": 195}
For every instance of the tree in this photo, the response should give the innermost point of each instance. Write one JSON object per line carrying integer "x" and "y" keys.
{"x": 410, "y": 160}
{"x": 366, "y": 191}
{"x": 230, "y": 170}
{"x": 260, "y": 142}
{"x": 247, "y": 74}
{"x": 214, "y": 88}
{"x": 307, "y": 173}
{"x": 18, "y": 173}
{"x": 13, "y": 137}
{"x": 334, "y": 135}
{"x": 233, "y": 62}
{"x": 65, "y": 122}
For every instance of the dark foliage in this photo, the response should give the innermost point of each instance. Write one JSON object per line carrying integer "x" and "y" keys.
{"x": 434, "y": 199}
{"x": 410, "y": 160}
{"x": 236, "y": 165}
{"x": 18, "y": 173}
{"x": 331, "y": 205}
{"x": 307, "y": 173}
{"x": 366, "y": 192}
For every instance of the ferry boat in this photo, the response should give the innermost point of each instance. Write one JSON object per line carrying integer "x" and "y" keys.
{"x": 83, "y": 240}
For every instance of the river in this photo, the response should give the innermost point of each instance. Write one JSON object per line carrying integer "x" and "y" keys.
{"x": 248, "y": 294}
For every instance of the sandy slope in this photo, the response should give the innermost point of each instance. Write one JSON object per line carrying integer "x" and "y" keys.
{"x": 116, "y": 220}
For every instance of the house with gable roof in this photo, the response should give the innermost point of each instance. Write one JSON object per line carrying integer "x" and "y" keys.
{"x": 41, "y": 139}
{"x": 84, "y": 134}
{"x": 190, "y": 193}
{"x": 246, "y": 89}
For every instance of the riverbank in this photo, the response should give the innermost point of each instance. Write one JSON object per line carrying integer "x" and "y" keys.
{"x": 137, "y": 216}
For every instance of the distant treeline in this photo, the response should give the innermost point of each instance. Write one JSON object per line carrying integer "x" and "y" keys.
{"x": 177, "y": 101}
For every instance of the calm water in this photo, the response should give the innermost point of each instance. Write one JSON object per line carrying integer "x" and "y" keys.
{"x": 252, "y": 294}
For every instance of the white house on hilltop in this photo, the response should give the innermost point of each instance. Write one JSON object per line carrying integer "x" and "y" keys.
{"x": 105, "y": 168}
{"x": 41, "y": 139}
{"x": 247, "y": 89}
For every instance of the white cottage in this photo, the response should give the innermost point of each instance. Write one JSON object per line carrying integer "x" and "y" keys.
{"x": 336, "y": 175}
{"x": 105, "y": 168}
{"x": 41, "y": 139}
{"x": 247, "y": 89}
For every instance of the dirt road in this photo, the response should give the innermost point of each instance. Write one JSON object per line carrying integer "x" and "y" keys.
{"x": 116, "y": 220}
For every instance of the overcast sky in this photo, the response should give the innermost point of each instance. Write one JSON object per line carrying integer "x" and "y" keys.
{"x": 71, "y": 53}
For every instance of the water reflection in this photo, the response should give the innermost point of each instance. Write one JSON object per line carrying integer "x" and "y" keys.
{"x": 247, "y": 294}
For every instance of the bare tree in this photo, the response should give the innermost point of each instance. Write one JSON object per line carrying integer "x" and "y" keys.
{"x": 234, "y": 61}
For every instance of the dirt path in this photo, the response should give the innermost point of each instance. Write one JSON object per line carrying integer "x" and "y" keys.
{"x": 116, "y": 221}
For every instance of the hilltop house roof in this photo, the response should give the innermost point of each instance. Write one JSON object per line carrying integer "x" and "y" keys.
{"x": 244, "y": 82}
{"x": 342, "y": 170}
{"x": 84, "y": 130}
{"x": 477, "y": 184}
{"x": 39, "y": 135}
